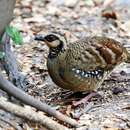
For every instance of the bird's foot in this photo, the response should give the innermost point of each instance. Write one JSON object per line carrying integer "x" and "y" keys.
{"x": 85, "y": 99}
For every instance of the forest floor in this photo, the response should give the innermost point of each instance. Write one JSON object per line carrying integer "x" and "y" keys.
{"x": 80, "y": 18}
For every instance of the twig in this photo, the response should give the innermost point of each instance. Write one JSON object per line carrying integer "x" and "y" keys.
{"x": 87, "y": 108}
{"x": 7, "y": 121}
{"x": 30, "y": 115}
{"x": 9, "y": 63}
{"x": 29, "y": 100}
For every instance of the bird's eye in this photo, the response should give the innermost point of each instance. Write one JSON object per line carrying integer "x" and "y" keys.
{"x": 51, "y": 38}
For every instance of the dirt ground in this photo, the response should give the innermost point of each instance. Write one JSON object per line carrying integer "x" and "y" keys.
{"x": 80, "y": 18}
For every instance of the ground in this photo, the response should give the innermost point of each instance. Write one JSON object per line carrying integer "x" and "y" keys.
{"x": 80, "y": 18}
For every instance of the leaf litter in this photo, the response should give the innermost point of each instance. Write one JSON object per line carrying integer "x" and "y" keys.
{"x": 111, "y": 112}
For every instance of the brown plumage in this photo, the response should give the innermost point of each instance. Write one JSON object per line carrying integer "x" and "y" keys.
{"x": 82, "y": 65}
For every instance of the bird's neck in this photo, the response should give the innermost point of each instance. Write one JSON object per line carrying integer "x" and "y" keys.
{"x": 54, "y": 52}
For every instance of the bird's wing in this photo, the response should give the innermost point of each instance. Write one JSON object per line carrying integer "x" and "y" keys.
{"x": 92, "y": 55}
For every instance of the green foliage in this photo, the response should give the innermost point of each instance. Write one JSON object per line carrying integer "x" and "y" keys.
{"x": 2, "y": 54}
{"x": 14, "y": 35}
{"x": 89, "y": 2}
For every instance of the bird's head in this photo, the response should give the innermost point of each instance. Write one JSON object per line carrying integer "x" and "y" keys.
{"x": 53, "y": 40}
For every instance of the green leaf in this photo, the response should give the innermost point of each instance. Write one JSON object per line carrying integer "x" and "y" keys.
{"x": 2, "y": 54}
{"x": 89, "y": 2}
{"x": 14, "y": 35}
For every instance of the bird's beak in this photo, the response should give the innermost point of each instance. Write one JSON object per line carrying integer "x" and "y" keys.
{"x": 39, "y": 38}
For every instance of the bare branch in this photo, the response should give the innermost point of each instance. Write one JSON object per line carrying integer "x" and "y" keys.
{"x": 9, "y": 63}
{"x": 29, "y": 100}
{"x": 30, "y": 115}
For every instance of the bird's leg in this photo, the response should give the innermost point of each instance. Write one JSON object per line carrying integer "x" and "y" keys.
{"x": 85, "y": 99}
{"x": 72, "y": 96}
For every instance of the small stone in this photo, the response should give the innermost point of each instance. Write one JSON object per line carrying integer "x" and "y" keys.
{"x": 70, "y": 3}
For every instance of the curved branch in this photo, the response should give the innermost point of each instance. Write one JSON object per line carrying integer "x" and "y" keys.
{"x": 9, "y": 63}
{"x": 29, "y": 100}
{"x": 30, "y": 115}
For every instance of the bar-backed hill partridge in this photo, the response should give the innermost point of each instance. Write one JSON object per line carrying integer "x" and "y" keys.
{"x": 82, "y": 65}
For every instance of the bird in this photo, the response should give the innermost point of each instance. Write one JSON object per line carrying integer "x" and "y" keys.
{"x": 82, "y": 65}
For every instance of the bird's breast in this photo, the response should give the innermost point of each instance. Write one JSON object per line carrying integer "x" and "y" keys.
{"x": 75, "y": 79}
{"x": 56, "y": 74}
